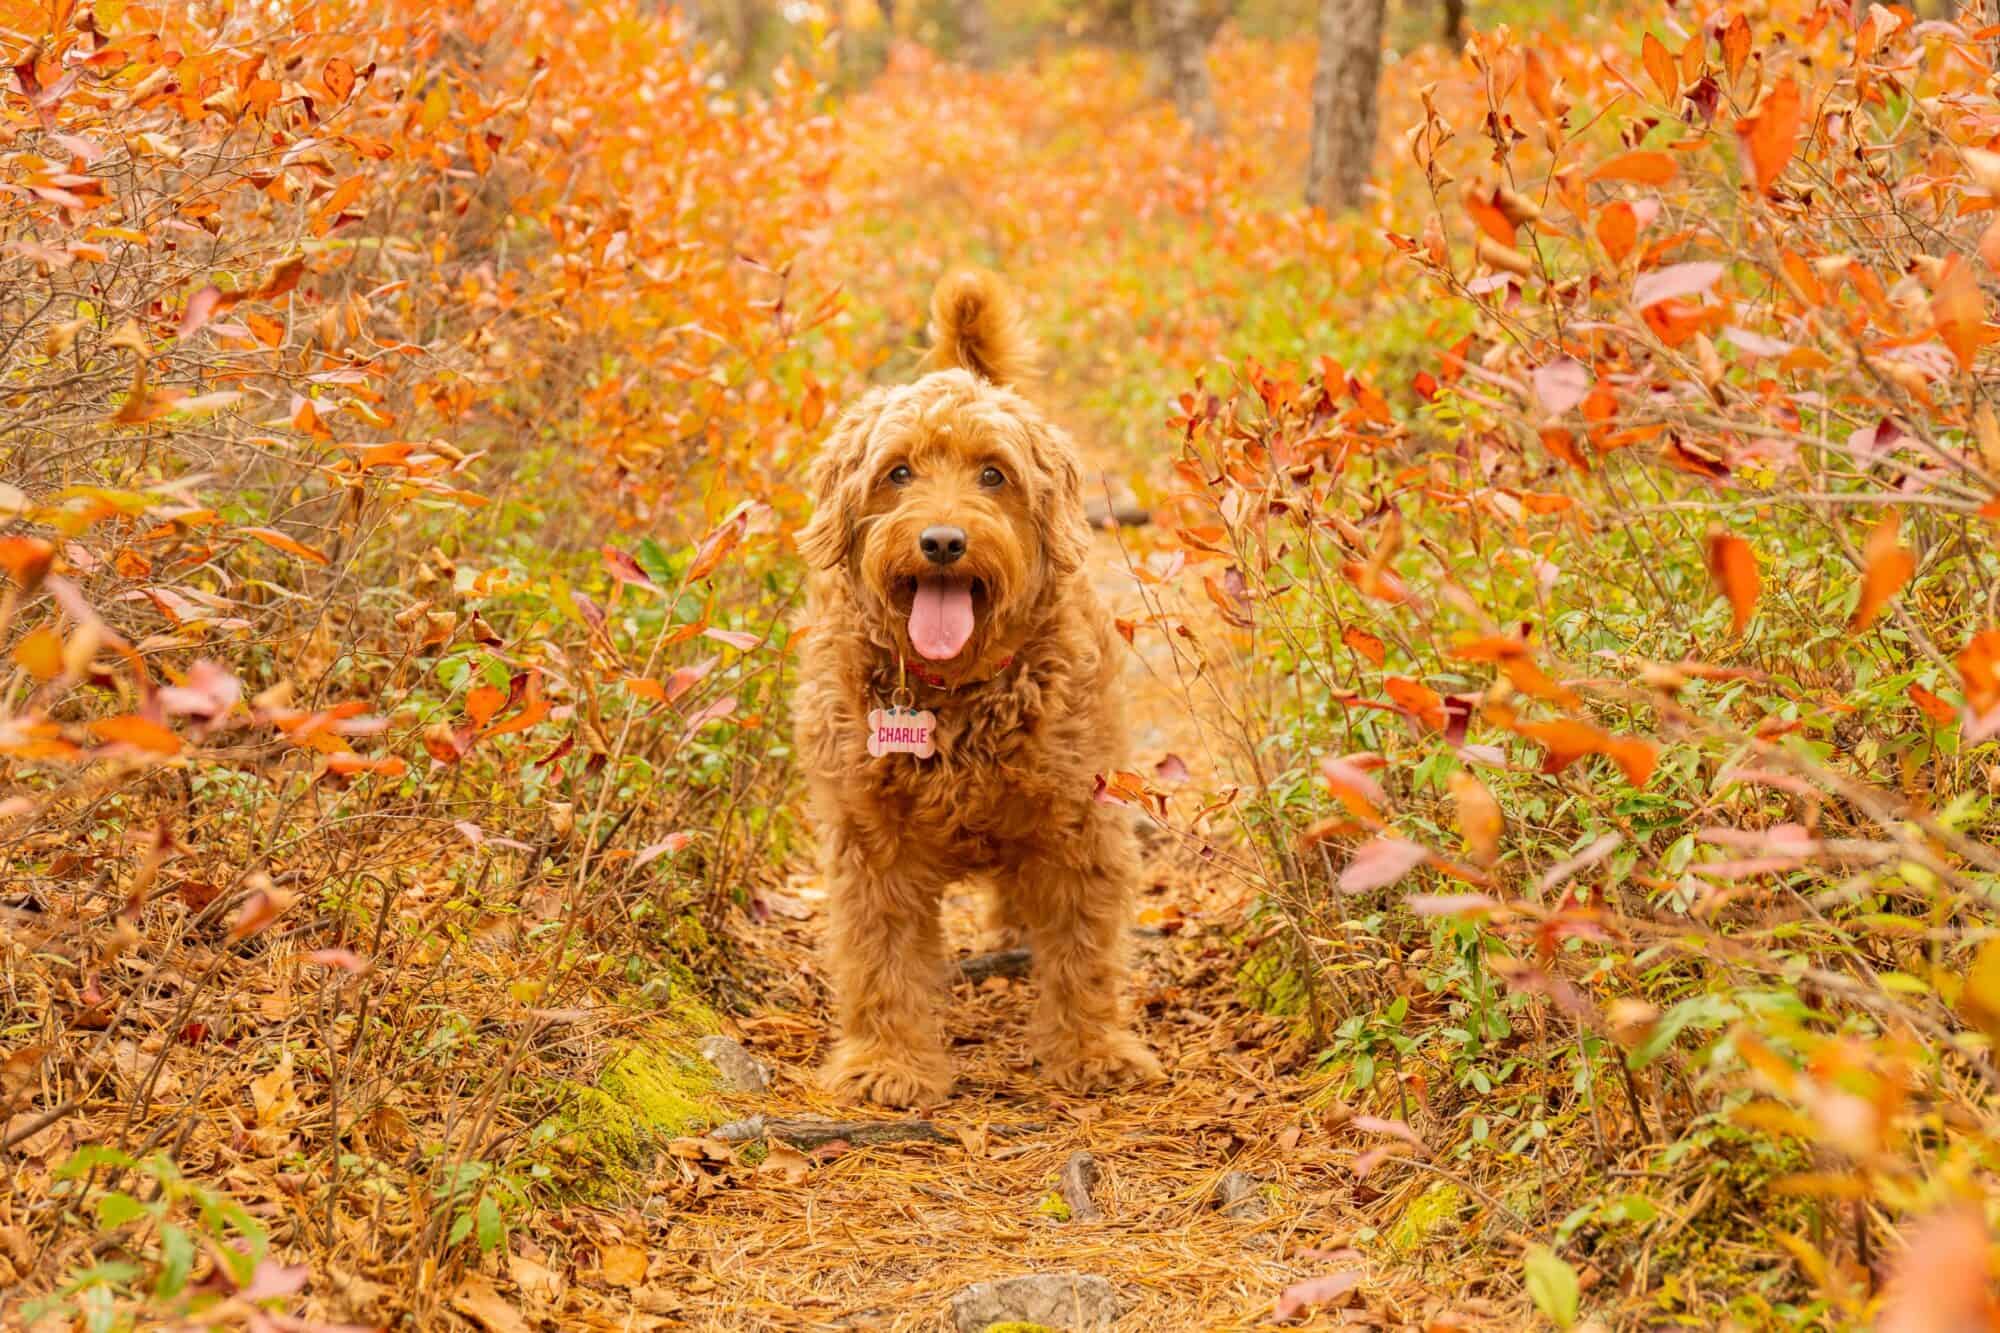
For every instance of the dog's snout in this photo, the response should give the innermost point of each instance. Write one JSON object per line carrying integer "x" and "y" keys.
{"x": 942, "y": 544}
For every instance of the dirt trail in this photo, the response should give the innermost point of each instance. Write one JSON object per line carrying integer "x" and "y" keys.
{"x": 852, "y": 1237}
{"x": 881, "y": 1237}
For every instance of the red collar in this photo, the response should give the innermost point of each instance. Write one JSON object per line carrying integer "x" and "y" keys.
{"x": 936, "y": 681}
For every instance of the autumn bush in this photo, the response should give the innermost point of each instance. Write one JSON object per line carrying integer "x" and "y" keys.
{"x": 1646, "y": 632}
{"x": 396, "y": 425}
{"x": 1580, "y": 564}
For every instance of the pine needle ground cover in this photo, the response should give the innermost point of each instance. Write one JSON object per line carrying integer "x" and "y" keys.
{"x": 1565, "y": 663}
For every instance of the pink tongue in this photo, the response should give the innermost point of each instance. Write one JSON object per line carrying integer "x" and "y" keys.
{"x": 941, "y": 618}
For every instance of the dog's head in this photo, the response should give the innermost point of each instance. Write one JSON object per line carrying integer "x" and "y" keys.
{"x": 953, "y": 507}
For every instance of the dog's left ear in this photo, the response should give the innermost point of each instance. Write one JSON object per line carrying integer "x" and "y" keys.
{"x": 1065, "y": 529}
{"x": 838, "y": 486}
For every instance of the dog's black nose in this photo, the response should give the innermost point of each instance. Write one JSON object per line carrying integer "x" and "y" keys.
{"x": 941, "y": 544}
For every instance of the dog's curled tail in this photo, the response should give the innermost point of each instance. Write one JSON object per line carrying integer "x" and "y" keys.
{"x": 975, "y": 327}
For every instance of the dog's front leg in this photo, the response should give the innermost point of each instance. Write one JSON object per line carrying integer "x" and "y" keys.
{"x": 1076, "y": 909}
{"x": 885, "y": 956}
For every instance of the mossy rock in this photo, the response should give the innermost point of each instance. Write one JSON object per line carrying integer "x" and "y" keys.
{"x": 651, "y": 1088}
{"x": 1270, "y": 982}
{"x": 1426, "y": 1214}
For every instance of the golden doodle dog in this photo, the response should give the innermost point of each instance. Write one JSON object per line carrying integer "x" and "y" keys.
{"x": 957, "y": 699}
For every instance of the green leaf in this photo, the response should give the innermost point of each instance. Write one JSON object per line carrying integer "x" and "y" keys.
{"x": 116, "y": 1209}
{"x": 492, "y": 1231}
{"x": 1552, "y": 1285}
{"x": 176, "y": 1262}
{"x": 461, "y": 1227}
{"x": 88, "y": 1158}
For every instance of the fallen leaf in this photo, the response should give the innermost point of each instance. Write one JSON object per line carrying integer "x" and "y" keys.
{"x": 621, "y": 1265}
{"x": 1302, "y": 1296}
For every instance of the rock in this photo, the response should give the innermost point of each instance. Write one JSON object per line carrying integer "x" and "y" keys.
{"x": 1240, "y": 1194}
{"x": 1057, "y": 1300}
{"x": 740, "y": 1070}
{"x": 1078, "y": 1181}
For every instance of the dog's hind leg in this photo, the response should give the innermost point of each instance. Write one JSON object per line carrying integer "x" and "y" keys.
{"x": 885, "y": 957}
{"x": 1076, "y": 904}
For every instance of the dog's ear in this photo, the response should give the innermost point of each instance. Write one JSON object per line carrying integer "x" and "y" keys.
{"x": 839, "y": 486}
{"x": 1059, "y": 506}
{"x": 975, "y": 327}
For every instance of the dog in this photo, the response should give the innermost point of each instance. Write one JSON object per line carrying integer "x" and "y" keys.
{"x": 957, "y": 701}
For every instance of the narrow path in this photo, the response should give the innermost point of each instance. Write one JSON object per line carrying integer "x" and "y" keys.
{"x": 883, "y": 1236}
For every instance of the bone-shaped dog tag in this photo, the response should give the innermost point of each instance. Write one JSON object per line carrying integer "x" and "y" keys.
{"x": 902, "y": 731}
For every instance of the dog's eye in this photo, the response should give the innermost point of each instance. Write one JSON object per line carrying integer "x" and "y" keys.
{"x": 992, "y": 478}
{"x": 900, "y": 475}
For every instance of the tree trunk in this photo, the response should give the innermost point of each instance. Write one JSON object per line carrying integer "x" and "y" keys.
{"x": 1344, "y": 112}
{"x": 1187, "y": 66}
{"x": 1454, "y": 24}
{"x": 974, "y": 42}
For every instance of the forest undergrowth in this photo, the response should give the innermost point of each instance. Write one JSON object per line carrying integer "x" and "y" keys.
{"x": 1568, "y": 621}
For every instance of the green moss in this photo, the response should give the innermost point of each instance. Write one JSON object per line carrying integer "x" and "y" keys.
{"x": 1426, "y": 1213}
{"x": 1269, "y": 982}
{"x": 1053, "y": 1205}
{"x": 651, "y": 1088}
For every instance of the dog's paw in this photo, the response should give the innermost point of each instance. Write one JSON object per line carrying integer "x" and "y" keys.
{"x": 1107, "y": 1060}
{"x": 887, "y": 1080}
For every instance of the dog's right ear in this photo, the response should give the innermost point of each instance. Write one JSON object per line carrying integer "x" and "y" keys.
{"x": 838, "y": 486}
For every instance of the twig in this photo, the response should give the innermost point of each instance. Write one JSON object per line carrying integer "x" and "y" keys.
{"x": 861, "y": 1133}
{"x": 1002, "y": 963}
{"x": 1078, "y": 1179}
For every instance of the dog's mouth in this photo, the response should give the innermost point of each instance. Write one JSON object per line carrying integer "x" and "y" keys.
{"x": 943, "y": 613}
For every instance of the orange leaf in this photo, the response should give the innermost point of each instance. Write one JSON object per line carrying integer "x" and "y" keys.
{"x": 1660, "y": 67}
{"x": 1886, "y": 567}
{"x": 1642, "y": 166}
{"x": 289, "y": 545}
{"x": 338, "y": 76}
{"x": 1419, "y": 701}
{"x": 136, "y": 731}
{"x": 40, "y": 653}
{"x": 26, "y": 560}
{"x": 1959, "y": 310}
{"x": 1479, "y": 817}
{"x": 1364, "y": 643}
{"x": 1936, "y": 709}
{"x": 1736, "y": 46}
{"x": 1770, "y": 136}
{"x": 1618, "y": 230}
{"x": 1733, "y": 566}
{"x": 485, "y": 701}
{"x": 715, "y": 546}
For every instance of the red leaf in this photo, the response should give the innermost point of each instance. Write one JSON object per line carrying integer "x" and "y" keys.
{"x": 1302, "y": 1296}
{"x": 1939, "y": 1283}
{"x": 625, "y": 569}
{"x": 666, "y": 846}
{"x": 1562, "y": 384}
{"x": 1675, "y": 280}
{"x": 1381, "y": 863}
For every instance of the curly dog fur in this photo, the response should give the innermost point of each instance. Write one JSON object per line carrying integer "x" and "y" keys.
{"x": 1009, "y": 647}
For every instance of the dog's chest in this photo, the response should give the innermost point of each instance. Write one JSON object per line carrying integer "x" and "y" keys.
{"x": 992, "y": 779}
